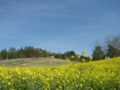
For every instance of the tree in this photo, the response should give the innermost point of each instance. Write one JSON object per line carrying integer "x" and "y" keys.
{"x": 0, "y": 55}
{"x": 26, "y": 51}
{"x": 59, "y": 55}
{"x": 112, "y": 51}
{"x": 49, "y": 53}
{"x": 21, "y": 53}
{"x": 30, "y": 51}
{"x": 112, "y": 41}
{"x": 98, "y": 53}
{"x": 72, "y": 53}
{"x": 12, "y": 53}
{"x": 44, "y": 53}
{"x": 64, "y": 56}
{"x": 54, "y": 54}
{"x": 37, "y": 53}
{"x": 67, "y": 54}
{"x": 4, "y": 54}
{"x": 119, "y": 53}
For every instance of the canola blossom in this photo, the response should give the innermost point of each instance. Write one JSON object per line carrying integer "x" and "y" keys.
{"x": 90, "y": 58}
{"x": 72, "y": 56}
{"x": 83, "y": 60}
{"x": 78, "y": 56}
{"x": 97, "y": 75}
{"x": 83, "y": 51}
{"x": 67, "y": 60}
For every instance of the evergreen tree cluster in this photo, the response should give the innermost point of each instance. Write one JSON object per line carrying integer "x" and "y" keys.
{"x": 26, "y": 52}
{"x": 29, "y": 52}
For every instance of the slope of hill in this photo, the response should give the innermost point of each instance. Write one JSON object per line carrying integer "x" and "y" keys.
{"x": 34, "y": 62}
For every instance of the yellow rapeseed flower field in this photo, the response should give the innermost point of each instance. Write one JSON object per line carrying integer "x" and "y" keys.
{"x": 97, "y": 75}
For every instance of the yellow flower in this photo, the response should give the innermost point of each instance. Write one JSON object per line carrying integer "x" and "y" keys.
{"x": 67, "y": 60}
{"x": 23, "y": 64}
{"x": 83, "y": 51}
{"x": 76, "y": 85}
{"x": 60, "y": 86}
{"x": 3, "y": 81}
{"x": 51, "y": 63}
{"x": 9, "y": 83}
{"x": 78, "y": 56}
{"x": 23, "y": 78}
{"x": 80, "y": 85}
{"x": 91, "y": 89}
{"x": 72, "y": 56}
{"x": 83, "y": 60}
{"x": 90, "y": 61}
{"x": 90, "y": 58}
{"x": 101, "y": 82}
{"x": 58, "y": 82}
{"x": 3, "y": 65}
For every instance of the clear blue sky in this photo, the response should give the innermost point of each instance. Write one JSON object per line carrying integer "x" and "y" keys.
{"x": 58, "y": 25}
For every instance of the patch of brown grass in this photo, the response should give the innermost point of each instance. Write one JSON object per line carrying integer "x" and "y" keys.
{"x": 33, "y": 62}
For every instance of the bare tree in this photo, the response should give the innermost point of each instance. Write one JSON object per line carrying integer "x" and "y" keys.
{"x": 113, "y": 40}
{"x": 37, "y": 52}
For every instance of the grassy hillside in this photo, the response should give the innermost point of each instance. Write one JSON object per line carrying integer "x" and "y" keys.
{"x": 34, "y": 62}
{"x": 97, "y": 75}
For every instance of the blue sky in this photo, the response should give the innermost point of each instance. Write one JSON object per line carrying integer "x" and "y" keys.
{"x": 58, "y": 25}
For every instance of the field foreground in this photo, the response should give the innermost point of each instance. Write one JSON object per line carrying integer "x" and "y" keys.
{"x": 97, "y": 75}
